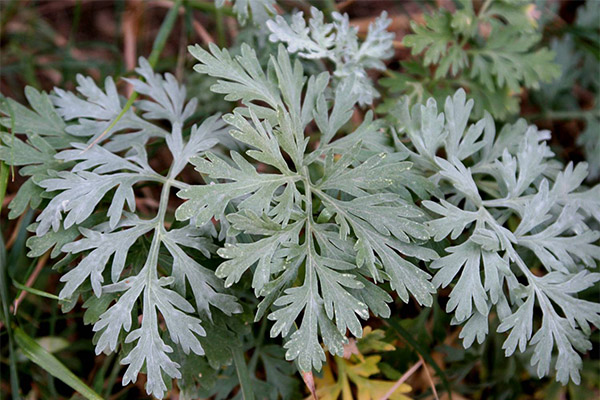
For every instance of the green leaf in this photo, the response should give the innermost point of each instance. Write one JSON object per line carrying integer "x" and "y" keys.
{"x": 51, "y": 364}
{"x": 312, "y": 287}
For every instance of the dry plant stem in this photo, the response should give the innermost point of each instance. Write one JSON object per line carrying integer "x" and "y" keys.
{"x": 7, "y": 199}
{"x": 31, "y": 280}
{"x": 341, "y": 6}
{"x": 130, "y": 24}
{"x": 429, "y": 378}
{"x": 15, "y": 232}
{"x": 402, "y": 379}
{"x": 309, "y": 381}
{"x": 202, "y": 32}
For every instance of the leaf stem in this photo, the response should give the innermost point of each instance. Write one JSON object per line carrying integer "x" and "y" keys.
{"x": 242, "y": 373}
{"x": 562, "y": 115}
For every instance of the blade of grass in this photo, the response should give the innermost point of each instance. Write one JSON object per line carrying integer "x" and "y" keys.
{"x": 242, "y": 372}
{"x": 221, "y": 40}
{"x": 3, "y": 167}
{"x": 51, "y": 364}
{"x": 6, "y": 319}
{"x": 112, "y": 378}
{"x": 35, "y": 291}
{"x": 3, "y": 181}
{"x": 157, "y": 48}
{"x": 407, "y": 337}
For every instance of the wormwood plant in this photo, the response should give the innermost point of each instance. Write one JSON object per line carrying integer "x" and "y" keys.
{"x": 312, "y": 223}
{"x": 338, "y": 42}
{"x": 493, "y": 51}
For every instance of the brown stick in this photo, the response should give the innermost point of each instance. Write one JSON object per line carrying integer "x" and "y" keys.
{"x": 15, "y": 233}
{"x": 402, "y": 379}
{"x": 428, "y": 375}
{"x": 31, "y": 280}
{"x": 202, "y": 32}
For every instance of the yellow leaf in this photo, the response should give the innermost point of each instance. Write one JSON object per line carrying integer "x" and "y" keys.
{"x": 351, "y": 379}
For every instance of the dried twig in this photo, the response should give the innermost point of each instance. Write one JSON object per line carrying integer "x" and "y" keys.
{"x": 13, "y": 236}
{"x": 429, "y": 379}
{"x": 130, "y": 31}
{"x": 31, "y": 280}
{"x": 202, "y": 32}
{"x": 402, "y": 379}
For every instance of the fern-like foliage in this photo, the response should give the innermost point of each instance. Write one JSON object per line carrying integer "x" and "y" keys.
{"x": 338, "y": 42}
{"x": 325, "y": 226}
{"x": 521, "y": 227}
{"x": 76, "y": 177}
{"x": 491, "y": 52}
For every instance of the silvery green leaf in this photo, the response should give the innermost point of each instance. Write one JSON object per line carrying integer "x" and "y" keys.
{"x": 208, "y": 201}
{"x": 313, "y": 41}
{"x": 461, "y": 179}
{"x": 556, "y": 331}
{"x": 304, "y": 210}
{"x": 510, "y": 177}
{"x": 262, "y": 252}
{"x": 303, "y": 344}
{"x": 80, "y": 194}
{"x": 560, "y": 249}
{"x": 42, "y": 120}
{"x": 98, "y": 110}
{"x": 201, "y": 138}
{"x": 454, "y": 219}
{"x": 102, "y": 246}
{"x": 36, "y": 156}
{"x": 169, "y": 97}
{"x": 150, "y": 349}
{"x": 475, "y": 328}
{"x": 373, "y": 174}
{"x": 468, "y": 290}
{"x": 240, "y": 78}
{"x": 77, "y": 177}
{"x": 425, "y": 128}
{"x": 205, "y": 285}
{"x": 44, "y": 132}
{"x": 338, "y": 42}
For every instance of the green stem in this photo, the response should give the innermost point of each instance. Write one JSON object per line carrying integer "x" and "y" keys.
{"x": 259, "y": 341}
{"x": 6, "y": 319}
{"x": 221, "y": 40}
{"x": 562, "y": 115}
{"x": 157, "y": 48}
{"x": 3, "y": 181}
{"x": 110, "y": 382}
{"x": 164, "y": 33}
{"x": 242, "y": 373}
